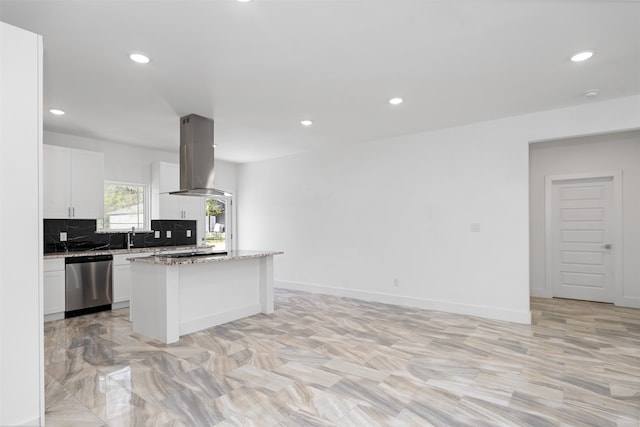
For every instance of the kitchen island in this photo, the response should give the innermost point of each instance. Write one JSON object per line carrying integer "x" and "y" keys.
{"x": 177, "y": 294}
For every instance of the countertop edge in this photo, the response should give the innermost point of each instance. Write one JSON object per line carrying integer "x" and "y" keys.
{"x": 54, "y": 255}
{"x": 232, "y": 255}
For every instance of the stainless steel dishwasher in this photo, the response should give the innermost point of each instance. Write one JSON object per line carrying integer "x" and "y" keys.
{"x": 88, "y": 284}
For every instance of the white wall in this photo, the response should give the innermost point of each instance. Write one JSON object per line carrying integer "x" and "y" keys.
{"x": 353, "y": 221}
{"x": 21, "y": 341}
{"x": 609, "y": 152}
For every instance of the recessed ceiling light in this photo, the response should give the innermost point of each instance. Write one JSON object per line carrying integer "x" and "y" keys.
{"x": 395, "y": 101}
{"x": 139, "y": 58}
{"x": 306, "y": 122}
{"x": 591, "y": 93}
{"x": 244, "y": 1}
{"x": 582, "y": 56}
{"x": 56, "y": 112}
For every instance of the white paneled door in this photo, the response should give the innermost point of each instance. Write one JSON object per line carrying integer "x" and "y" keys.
{"x": 582, "y": 232}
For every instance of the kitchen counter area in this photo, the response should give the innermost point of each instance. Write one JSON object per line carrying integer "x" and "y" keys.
{"x": 117, "y": 289}
{"x": 153, "y": 250}
{"x": 173, "y": 296}
{"x": 202, "y": 255}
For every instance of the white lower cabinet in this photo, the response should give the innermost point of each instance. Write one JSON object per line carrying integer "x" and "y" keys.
{"x": 53, "y": 289}
{"x": 54, "y": 283}
{"x": 122, "y": 279}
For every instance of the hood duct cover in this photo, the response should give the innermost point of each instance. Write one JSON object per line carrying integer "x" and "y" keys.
{"x": 196, "y": 157}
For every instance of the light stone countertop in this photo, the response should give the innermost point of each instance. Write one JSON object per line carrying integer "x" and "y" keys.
{"x": 153, "y": 249}
{"x": 200, "y": 259}
{"x": 125, "y": 231}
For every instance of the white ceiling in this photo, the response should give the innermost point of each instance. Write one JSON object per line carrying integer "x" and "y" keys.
{"x": 259, "y": 68}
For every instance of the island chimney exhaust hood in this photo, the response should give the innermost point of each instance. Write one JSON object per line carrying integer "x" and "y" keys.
{"x": 196, "y": 158}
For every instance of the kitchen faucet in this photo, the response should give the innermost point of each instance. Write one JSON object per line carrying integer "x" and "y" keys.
{"x": 129, "y": 240}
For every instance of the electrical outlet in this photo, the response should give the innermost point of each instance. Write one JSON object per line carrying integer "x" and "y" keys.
{"x": 475, "y": 227}
{"x": 188, "y": 233}
{"x": 168, "y": 234}
{"x": 156, "y": 234}
{"x": 63, "y": 236}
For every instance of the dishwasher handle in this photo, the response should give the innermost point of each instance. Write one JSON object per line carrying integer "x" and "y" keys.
{"x": 89, "y": 258}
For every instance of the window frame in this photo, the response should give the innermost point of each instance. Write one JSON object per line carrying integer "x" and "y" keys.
{"x": 146, "y": 204}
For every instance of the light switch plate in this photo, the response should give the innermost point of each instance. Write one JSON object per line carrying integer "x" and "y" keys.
{"x": 156, "y": 234}
{"x": 168, "y": 234}
{"x": 475, "y": 227}
{"x": 63, "y": 236}
{"x": 188, "y": 233}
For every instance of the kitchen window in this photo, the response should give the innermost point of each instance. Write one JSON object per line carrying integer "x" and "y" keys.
{"x": 125, "y": 206}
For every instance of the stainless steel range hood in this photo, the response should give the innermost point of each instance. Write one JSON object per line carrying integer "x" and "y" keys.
{"x": 196, "y": 158}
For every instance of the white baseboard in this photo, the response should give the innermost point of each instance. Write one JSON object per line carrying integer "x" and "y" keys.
{"x": 426, "y": 304}
{"x": 53, "y": 316}
{"x": 630, "y": 302}
{"x": 118, "y": 305}
{"x": 33, "y": 423}
{"x": 541, "y": 293}
{"x": 195, "y": 325}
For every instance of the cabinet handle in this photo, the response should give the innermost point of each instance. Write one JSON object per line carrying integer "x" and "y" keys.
{"x": 74, "y": 211}
{"x": 69, "y": 211}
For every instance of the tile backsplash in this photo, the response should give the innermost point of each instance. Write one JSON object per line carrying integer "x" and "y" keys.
{"x": 62, "y": 235}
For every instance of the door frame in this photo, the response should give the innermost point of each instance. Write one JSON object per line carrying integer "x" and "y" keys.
{"x": 616, "y": 177}
{"x": 229, "y": 220}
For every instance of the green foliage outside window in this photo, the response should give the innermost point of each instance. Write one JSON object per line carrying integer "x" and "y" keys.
{"x": 123, "y": 206}
{"x": 214, "y": 207}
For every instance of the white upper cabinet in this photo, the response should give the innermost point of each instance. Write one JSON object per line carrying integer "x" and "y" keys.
{"x": 56, "y": 192}
{"x": 165, "y": 177}
{"x": 192, "y": 207}
{"x": 179, "y": 207}
{"x": 168, "y": 176}
{"x": 73, "y": 183}
{"x": 87, "y": 184}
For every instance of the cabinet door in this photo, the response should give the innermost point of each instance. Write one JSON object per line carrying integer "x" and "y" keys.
{"x": 56, "y": 179}
{"x": 87, "y": 184}
{"x": 121, "y": 282}
{"x": 53, "y": 292}
{"x": 169, "y": 177}
{"x": 181, "y": 207}
{"x": 170, "y": 207}
{"x": 192, "y": 207}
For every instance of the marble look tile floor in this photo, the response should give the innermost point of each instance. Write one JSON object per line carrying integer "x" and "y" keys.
{"x": 322, "y": 360}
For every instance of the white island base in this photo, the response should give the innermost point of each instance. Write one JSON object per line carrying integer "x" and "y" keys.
{"x": 171, "y": 298}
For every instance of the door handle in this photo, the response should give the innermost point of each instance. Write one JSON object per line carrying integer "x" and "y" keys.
{"x": 607, "y": 246}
